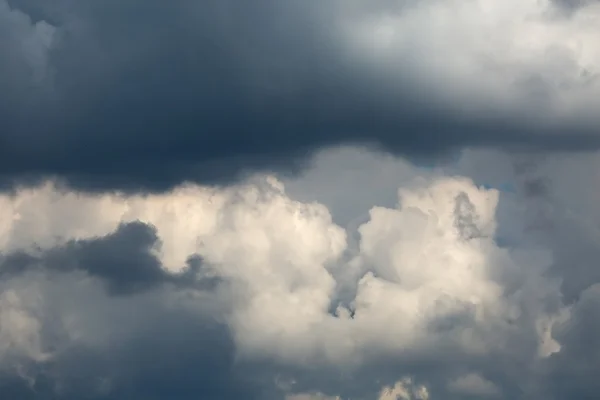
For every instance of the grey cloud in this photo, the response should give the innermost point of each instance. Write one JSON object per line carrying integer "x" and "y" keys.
{"x": 166, "y": 354}
{"x": 474, "y": 385}
{"x": 548, "y": 202}
{"x": 573, "y": 5}
{"x": 572, "y": 371}
{"x": 561, "y": 214}
{"x": 157, "y": 351}
{"x": 466, "y": 217}
{"x": 142, "y": 95}
{"x": 560, "y": 208}
{"x": 124, "y": 260}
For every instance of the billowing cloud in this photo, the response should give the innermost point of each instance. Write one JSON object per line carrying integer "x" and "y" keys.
{"x": 145, "y": 95}
{"x": 102, "y": 295}
{"x": 405, "y": 390}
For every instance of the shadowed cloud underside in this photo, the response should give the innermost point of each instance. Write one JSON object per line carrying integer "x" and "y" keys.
{"x": 143, "y": 95}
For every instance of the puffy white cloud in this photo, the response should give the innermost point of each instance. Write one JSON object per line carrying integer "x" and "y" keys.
{"x": 432, "y": 260}
{"x": 272, "y": 249}
{"x": 404, "y": 389}
{"x": 435, "y": 258}
{"x": 425, "y": 279}
{"x": 276, "y": 252}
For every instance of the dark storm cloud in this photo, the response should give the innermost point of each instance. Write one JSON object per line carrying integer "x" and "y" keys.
{"x": 171, "y": 354}
{"x": 124, "y": 260}
{"x": 146, "y": 94}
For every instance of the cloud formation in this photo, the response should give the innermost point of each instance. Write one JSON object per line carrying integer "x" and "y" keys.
{"x": 177, "y": 221}
{"x": 144, "y": 95}
{"x": 421, "y": 299}
{"x": 126, "y": 260}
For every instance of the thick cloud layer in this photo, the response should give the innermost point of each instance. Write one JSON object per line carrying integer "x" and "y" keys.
{"x": 432, "y": 294}
{"x": 147, "y": 94}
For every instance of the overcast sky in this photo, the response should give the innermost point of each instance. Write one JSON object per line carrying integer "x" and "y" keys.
{"x": 299, "y": 200}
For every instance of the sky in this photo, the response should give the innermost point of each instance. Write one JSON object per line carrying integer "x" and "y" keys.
{"x": 299, "y": 200}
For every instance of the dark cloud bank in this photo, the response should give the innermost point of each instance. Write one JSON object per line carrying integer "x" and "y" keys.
{"x": 142, "y": 95}
{"x": 123, "y": 260}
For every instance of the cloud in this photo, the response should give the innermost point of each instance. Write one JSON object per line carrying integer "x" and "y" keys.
{"x": 144, "y": 95}
{"x": 556, "y": 209}
{"x": 27, "y": 45}
{"x": 573, "y": 5}
{"x": 446, "y": 275}
{"x": 405, "y": 390}
{"x": 125, "y": 260}
{"x": 331, "y": 311}
{"x": 314, "y": 396}
{"x": 20, "y": 328}
{"x": 151, "y": 346}
{"x": 474, "y": 385}
{"x": 572, "y": 367}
